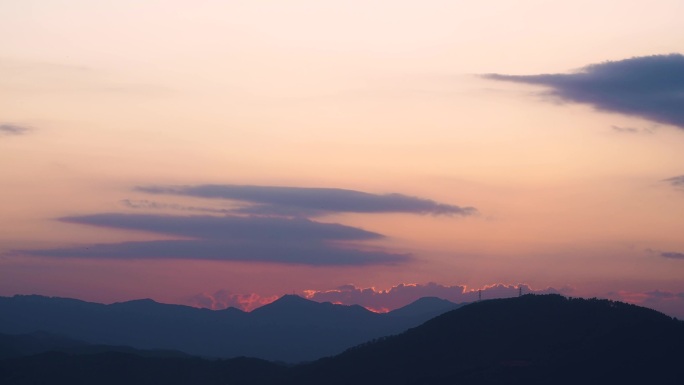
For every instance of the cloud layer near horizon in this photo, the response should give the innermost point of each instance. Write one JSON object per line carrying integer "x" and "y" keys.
{"x": 650, "y": 87}
{"x": 231, "y": 238}
{"x": 270, "y": 226}
{"x": 671, "y": 303}
{"x": 306, "y": 201}
{"x": 370, "y": 298}
{"x": 403, "y": 294}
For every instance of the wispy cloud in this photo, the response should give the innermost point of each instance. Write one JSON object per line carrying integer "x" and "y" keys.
{"x": 632, "y": 130}
{"x": 303, "y": 201}
{"x": 625, "y": 130}
{"x": 650, "y": 87}
{"x": 13, "y": 129}
{"x": 672, "y": 255}
{"x": 147, "y": 204}
{"x": 677, "y": 181}
{"x": 232, "y": 238}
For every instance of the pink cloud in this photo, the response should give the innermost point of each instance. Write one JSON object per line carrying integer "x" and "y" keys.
{"x": 405, "y": 293}
{"x": 223, "y": 299}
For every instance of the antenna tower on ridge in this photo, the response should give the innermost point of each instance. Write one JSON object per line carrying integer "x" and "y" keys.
{"x": 479, "y": 295}
{"x": 519, "y": 290}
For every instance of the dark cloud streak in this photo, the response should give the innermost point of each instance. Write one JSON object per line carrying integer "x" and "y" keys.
{"x": 650, "y": 87}
{"x": 677, "y": 182}
{"x": 13, "y": 129}
{"x": 268, "y": 224}
{"x": 227, "y": 227}
{"x": 311, "y": 253}
{"x": 231, "y": 238}
{"x": 672, "y": 255}
{"x": 302, "y": 201}
{"x": 625, "y": 130}
{"x": 147, "y": 204}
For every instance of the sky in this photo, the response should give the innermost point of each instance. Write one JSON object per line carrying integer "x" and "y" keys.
{"x": 224, "y": 153}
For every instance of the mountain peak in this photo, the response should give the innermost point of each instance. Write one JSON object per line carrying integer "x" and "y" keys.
{"x": 292, "y": 298}
{"x": 424, "y": 306}
{"x": 136, "y": 304}
{"x": 288, "y": 301}
{"x": 140, "y": 301}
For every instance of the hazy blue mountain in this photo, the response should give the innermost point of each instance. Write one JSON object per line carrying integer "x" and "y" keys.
{"x": 19, "y": 345}
{"x": 269, "y": 332}
{"x": 427, "y": 307}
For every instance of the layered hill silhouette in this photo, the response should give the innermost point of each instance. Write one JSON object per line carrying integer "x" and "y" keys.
{"x": 20, "y": 345}
{"x": 269, "y": 332}
{"x": 547, "y": 339}
{"x": 532, "y": 339}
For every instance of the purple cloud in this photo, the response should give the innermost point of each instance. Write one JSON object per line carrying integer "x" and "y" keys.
{"x": 13, "y": 129}
{"x": 304, "y": 201}
{"x": 232, "y": 238}
{"x": 676, "y": 182}
{"x": 651, "y": 87}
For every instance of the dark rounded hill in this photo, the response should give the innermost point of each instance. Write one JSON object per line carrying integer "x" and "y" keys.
{"x": 533, "y": 339}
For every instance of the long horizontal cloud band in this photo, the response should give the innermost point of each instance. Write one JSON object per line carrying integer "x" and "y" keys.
{"x": 677, "y": 181}
{"x": 12, "y": 129}
{"x": 271, "y": 227}
{"x": 228, "y": 227}
{"x": 309, "y": 201}
{"x": 651, "y": 87}
{"x": 314, "y": 254}
{"x": 232, "y": 238}
{"x": 672, "y": 255}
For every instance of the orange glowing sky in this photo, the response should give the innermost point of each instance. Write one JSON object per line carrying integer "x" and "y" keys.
{"x": 100, "y": 101}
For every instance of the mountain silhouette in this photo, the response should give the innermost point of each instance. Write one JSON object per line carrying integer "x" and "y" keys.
{"x": 34, "y": 343}
{"x": 116, "y": 368}
{"x": 533, "y": 339}
{"x": 528, "y": 340}
{"x": 19, "y": 345}
{"x": 268, "y": 332}
{"x": 425, "y": 307}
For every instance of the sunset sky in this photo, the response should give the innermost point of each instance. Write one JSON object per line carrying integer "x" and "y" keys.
{"x": 224, "y": 153}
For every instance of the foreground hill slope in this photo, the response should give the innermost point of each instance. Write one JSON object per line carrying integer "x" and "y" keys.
{"x": 117, "y": 368}
{"x": 532, "y": 339}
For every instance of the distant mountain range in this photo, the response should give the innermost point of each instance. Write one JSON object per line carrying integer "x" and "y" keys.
{"x": 533, "y": 339}
{"x": 270, "y": 332}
